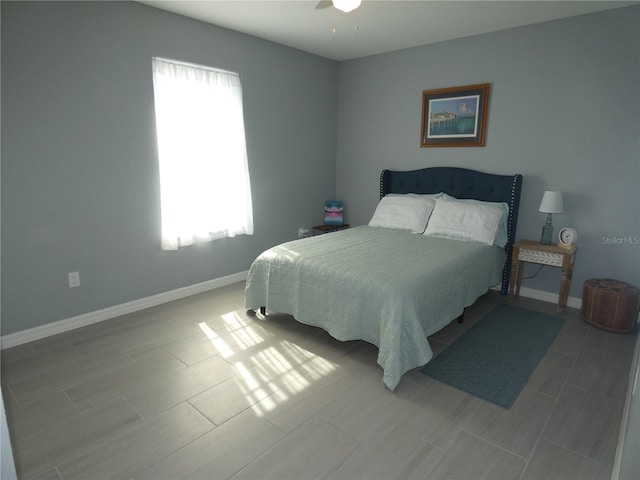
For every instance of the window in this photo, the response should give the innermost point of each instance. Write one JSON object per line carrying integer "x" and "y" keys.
{"x": 204, "y": 174}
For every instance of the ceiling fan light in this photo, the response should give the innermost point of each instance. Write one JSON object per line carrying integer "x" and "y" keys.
{"x": 346, "y": 6}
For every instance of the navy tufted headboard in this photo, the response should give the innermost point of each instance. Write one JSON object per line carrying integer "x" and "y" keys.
{"x": 462, "y": 183}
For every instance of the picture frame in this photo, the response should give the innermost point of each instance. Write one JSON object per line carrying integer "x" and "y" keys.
{"x": 455, "y": 116}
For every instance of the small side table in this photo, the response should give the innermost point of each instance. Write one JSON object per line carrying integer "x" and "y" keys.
{"x": 610, "y": 304}
{"x": 535, "y": 252}
{"x": 320, "y": 229}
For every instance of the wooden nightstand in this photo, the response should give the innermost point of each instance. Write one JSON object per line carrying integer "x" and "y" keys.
{"x": 320, "y": 229}
{"x": 553, "y": 255}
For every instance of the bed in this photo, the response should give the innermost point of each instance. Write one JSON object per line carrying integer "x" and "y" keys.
{"x": 390, "y": 285}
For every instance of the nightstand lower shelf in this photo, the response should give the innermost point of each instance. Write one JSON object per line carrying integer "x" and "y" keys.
{"x": 552, "y": 255}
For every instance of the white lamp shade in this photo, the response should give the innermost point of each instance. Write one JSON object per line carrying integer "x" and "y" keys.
{"x": 551, "y": 202}
{"x": 346, "y": 6}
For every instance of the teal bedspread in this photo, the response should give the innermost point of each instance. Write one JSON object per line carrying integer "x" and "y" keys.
{"x": 388, "y": 287}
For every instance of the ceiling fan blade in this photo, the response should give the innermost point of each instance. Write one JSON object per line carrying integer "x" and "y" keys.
{"x": 323, "y": 4}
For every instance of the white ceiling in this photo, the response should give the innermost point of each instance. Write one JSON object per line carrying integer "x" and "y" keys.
{"x": 378, "y": 26}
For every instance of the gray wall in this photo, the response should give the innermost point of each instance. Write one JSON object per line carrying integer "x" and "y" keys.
{"x": 563, "y": 111}
{"x": 79, "y": 170}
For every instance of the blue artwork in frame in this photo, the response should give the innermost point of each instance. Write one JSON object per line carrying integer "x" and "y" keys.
{"x": 333, "y": 210}
{"x": 454, "y": 117}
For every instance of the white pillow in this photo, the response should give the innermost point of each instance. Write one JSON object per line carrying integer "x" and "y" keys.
{"x": 403, "y": 213}
{"x": 502, "y": 234}
{"x": 464, "y": 221}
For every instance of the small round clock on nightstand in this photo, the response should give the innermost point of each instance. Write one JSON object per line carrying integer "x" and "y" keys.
{"x": 567, "y": 237}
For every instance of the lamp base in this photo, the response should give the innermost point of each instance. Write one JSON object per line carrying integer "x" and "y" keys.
{"x": 547, "y": 232}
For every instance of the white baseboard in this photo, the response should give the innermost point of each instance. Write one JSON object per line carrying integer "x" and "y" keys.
{"x": 43, "y": 331}
{"x": 549, "y": 297}
{"x": 545, "y": 296}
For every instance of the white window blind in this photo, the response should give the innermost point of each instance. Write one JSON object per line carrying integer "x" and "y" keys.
{"x": 204, "y": 175}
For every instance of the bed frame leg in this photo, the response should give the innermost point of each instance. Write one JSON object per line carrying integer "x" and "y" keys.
{"x": 252, "y": 312}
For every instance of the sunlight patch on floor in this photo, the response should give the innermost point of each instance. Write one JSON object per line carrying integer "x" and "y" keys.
{"x": 224, "y": 350}
{"x": 278, "y": 371}
{"x": 288, "y": 369}
{"x": 246, "y": 337}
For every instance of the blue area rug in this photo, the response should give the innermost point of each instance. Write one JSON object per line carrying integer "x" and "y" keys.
{"x": 494, "y": 359}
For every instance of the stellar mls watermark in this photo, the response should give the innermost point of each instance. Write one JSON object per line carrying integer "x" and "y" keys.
{"x": 628, "y": 240}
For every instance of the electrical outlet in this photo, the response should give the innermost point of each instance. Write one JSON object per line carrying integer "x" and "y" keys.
{"x": 74, "y": 279}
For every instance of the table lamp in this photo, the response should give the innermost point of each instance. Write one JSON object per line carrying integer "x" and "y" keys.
{"x": 551, "y": 203}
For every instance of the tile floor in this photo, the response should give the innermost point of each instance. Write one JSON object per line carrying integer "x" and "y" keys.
{"x": 198, "y": 389}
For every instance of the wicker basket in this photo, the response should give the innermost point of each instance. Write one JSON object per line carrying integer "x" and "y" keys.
{"x": 610, "y": 304}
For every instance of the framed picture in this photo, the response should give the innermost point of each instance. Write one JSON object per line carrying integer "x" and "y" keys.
{"x": 333, "y": 210}
{"x": 454, "y": 117}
